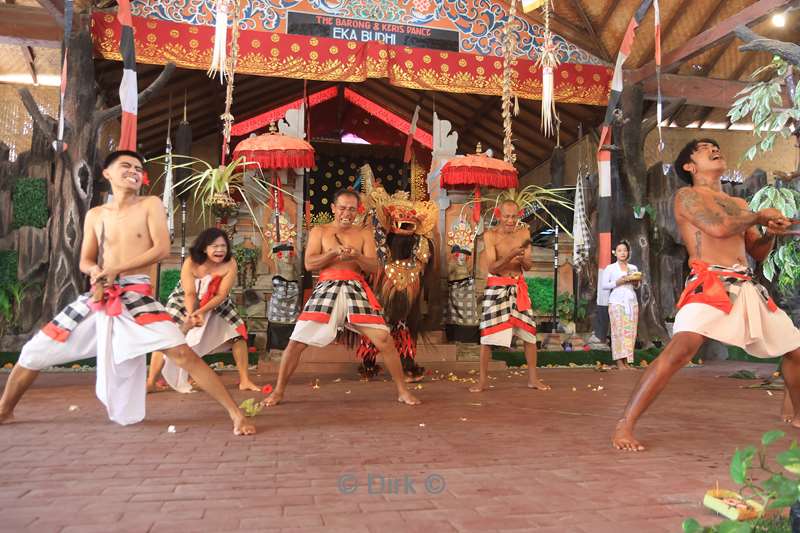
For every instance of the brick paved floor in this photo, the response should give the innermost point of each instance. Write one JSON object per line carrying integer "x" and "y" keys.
{"x": 509, "y": 459}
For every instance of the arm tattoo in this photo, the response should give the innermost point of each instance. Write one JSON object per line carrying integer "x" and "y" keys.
{"x": 730, "y": 208}
{"x": 731, "y": 216}
{"x": 695, "y": 208}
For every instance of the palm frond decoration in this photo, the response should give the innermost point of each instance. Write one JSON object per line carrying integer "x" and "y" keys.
{"x": 213, "y": 187}
{"x": 533, "y": 200}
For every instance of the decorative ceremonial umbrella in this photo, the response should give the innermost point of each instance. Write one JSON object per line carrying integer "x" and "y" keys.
{"x": 274, "y": 151}
{"x": 478, "y": 169}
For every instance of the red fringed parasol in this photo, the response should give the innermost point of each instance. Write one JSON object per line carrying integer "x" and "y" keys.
{"x": 275, "y": 150}
{"x": 478, "y": 169}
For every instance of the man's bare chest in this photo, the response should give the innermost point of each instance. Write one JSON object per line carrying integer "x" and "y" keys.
{"x": 123, "y": 229}
{"x": 334, "y": 239}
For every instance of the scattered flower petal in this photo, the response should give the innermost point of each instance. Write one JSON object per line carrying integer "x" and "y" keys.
{"x": 769, "y": 392}
{"x": 266, "y": 389}
{"x": 422, "y": 425}
{"x": 337, "y": 380}
{"x": 73, "y": 408}
{"x": 348, "y": 391}
{"x": 463, "y": 419}
{"x": 171, "y": 429}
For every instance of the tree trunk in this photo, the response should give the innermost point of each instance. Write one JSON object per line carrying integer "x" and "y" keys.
{"x": 632, "y": 192}
{"x": 76, "y": 167}
{"x": 72, "y": 184}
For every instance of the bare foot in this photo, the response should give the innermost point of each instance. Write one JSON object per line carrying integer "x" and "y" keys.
{"x": 242, "y": 427}
{"x": 6, "y": 417}
{"x": 249, "y": 385}
{"x": 156, "y": 387}
{"x": 795, "y": 423}
{"x": 408, "y": 398}
{"x": 273, "y": 399}
{"x": 480, "y": 387}
{"x": 538, "y": 384}
{"x": 623, "y": 439}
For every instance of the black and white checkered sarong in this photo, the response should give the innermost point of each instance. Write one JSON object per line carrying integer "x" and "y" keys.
{"x": 140, "y": 304}
{"x": 359, "y": 310}
{"x": 176, "y": 307}
{"x": 499, "y": 311}
{"x": 462, "y": 308}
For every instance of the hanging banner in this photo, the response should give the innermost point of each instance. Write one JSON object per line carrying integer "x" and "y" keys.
{"x": 327, "y": 59}
{"x": 349, "y": 29}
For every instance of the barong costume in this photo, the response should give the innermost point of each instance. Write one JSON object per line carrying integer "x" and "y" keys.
{"x": 506, "y": 312}
{"x": 403, "y": 229}
{"x": 727, "y": 305}
{"x": 221, "y": 326}
{"x": 119, "y": 331}
{"x": 341, "y": 298}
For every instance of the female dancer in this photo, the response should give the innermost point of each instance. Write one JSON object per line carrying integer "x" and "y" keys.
{"x": 201, "y": 304}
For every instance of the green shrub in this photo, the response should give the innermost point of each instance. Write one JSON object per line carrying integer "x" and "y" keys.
{"x": 30, "y": 203}
{"x": 8, "y": 268}
{"x": 169, "y": 280}
{"x": 541, "y": 292}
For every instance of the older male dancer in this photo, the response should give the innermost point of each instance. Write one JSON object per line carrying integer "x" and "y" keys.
{"x": 721, "y": 300}
{"x": 119, "y": 322}
{"x": 341, "y": 251}
{"x": 507, "y": 309}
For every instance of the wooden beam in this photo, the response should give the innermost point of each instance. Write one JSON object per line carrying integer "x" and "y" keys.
{"x": 587, "y": 23}
{"x": 55, "y": 8}
{"x": 486, "y": 105}
{"x": 721, "y": 33}
{"x": 696, "y": 90}
{"x": 666, "y": 29}
{"x": 27, "y": 52}
{"x": 28, "y": 26}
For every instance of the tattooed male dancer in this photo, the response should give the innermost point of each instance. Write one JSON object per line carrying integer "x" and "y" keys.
{"x": 721, "y": 300}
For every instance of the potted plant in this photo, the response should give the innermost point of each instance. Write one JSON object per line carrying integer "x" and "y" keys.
{"x": 214, "y": 188}
{"x": 756, "y": 506}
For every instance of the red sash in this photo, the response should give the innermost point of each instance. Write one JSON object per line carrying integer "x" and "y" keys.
{"x": 332, "y": 274}
{"x": 523, "y": 299}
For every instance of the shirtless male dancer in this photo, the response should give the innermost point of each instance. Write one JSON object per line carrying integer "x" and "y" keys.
{"x": 506, "y": 306}
{"x": 341, "y": 252}
{"x": 720, "y": 301}
{"x": 120, "y": 322}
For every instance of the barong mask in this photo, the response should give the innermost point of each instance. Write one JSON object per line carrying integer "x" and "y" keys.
{"x": 400, "y": 215}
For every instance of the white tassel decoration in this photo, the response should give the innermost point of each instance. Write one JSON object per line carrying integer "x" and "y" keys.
{"x": 548, "y": 61}
{"x": 220, "y": 40}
